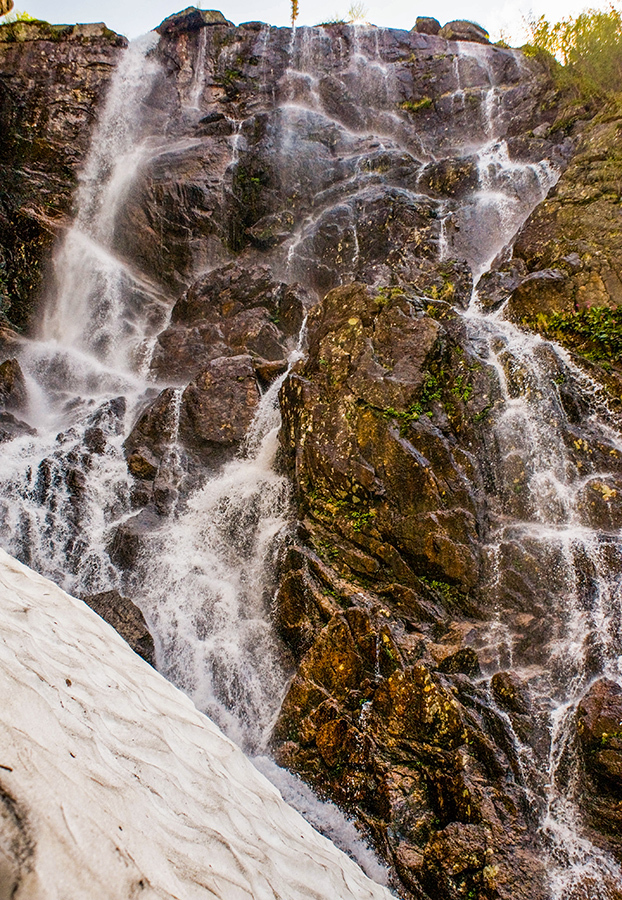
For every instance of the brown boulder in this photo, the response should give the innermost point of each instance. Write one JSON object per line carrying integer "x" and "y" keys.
{"x": 191, "y": 19}
{"x": 427, "y": 25}
{"x": 229, "y": 311}
{"x": 13, "y": 390}
{"x": 156, "y": 428}
{"x": 599, "y": 725}
{"x": 461, "y": 30}
{"x": 126, "y": 618}
{"x": 218, "y": 407}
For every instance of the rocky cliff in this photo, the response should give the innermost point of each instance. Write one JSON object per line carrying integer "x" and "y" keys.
{"x": 52, "y": 80}
{"x": 444, "y": 599}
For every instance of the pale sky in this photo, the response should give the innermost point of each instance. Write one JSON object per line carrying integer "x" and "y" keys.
{"x": 134, "y": 17}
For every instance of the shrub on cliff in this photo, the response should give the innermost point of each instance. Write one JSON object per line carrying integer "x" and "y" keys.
{"x": 15, "y": 16}
{"x": 590, "y": 44}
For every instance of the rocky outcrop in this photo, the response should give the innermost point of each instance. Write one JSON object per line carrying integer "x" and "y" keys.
{"x": 561, "y": 277}
{"x": 599, "y": 726}
{"x": 384, "y": 439}
{"x": 126, "y": 618}
{"x": 191, "y": 19}
{"x": 461, "y": 30}
{"x": 230, "y": 311}
{"x": 52, "y": 80}
{"x": 427, "y": 25}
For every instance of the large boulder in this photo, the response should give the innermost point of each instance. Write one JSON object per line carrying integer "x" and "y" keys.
{"x": 218, "y": 407}
{"x": 462, "y": 30}
{"x": 232, "y": 310}
{"x": 191, "y": 19}
{"x": 126, "y": 618}
{"x": 206, "y": 422}
{"x": 427, "y": 25}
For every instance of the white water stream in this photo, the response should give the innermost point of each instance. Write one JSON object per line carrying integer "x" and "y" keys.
{"x": 205, "y": 583}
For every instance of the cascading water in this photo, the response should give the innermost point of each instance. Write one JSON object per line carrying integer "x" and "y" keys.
{"x": 543, "y": 528}
{"x": 205, "y": 575}
{"x": 208, "y": 594}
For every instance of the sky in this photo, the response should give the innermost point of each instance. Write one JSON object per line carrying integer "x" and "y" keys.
{"x": 135, "y": 17}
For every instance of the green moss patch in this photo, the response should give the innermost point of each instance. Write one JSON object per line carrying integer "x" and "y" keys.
{"x": 595, "y": 333}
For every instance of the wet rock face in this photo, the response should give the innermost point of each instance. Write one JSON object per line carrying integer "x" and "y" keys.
{"x": 599, "y": 723}
{"x": 378, "y": 598}
{"x": 52, "y": 79}
{"x": 229, "y": 311}
{"x": 369, "y": 425}
{"x": 561, "y": 278}
{"x": 278, "y": 161}
{"x": 461, "y": 30}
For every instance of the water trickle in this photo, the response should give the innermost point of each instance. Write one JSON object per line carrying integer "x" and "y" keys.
{"x": 198, "y": 72}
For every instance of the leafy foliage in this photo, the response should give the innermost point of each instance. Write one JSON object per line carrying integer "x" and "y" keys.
{"x": 595, "y": 332}
{"x": 590, "y": 44}
{"x": 17, "y": 16}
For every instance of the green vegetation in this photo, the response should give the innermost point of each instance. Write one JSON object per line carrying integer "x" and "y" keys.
{"x": 357, "y": 12}
{"x": 589, "y": 44}
{"x": 359, "y": 518}
{"x": 414, "y": 106}
{"x": 432, "y": 391}
{"x": 450, "y": 593}
{"x": 595, "y": 333}
{"x": 17, "y": 16}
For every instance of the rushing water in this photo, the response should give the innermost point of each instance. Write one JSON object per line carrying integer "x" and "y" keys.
{"x": 206, "y": 580}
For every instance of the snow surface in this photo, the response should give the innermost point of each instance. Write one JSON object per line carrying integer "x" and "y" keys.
{"x": 113, "y": 785}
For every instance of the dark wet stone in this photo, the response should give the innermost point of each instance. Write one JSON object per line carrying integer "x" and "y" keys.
{"x": 461, "y": 30}
{"x": 599, "y": 724}
{"x": 218, "y": 407}
{"x": 131, "y": 537}
{"x": 11, "y": 427}
{"x": 13, "y": 390}
{"x": 191, "y": 19}
{"x": 143, "y": 464}
{"x": 126, "y": 618}
{"x": 509, "y": 692}
{"x": 427, "y": 25}
{"x": 464, "y": 661}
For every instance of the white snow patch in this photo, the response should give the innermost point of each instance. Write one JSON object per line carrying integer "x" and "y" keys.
{"x": 120, "y": 788}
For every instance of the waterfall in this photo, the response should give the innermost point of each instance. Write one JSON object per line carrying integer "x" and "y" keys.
{"x": 205, "y": 585}
{"x": 205, "y": 574}
{"x": 542, "y": 527}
